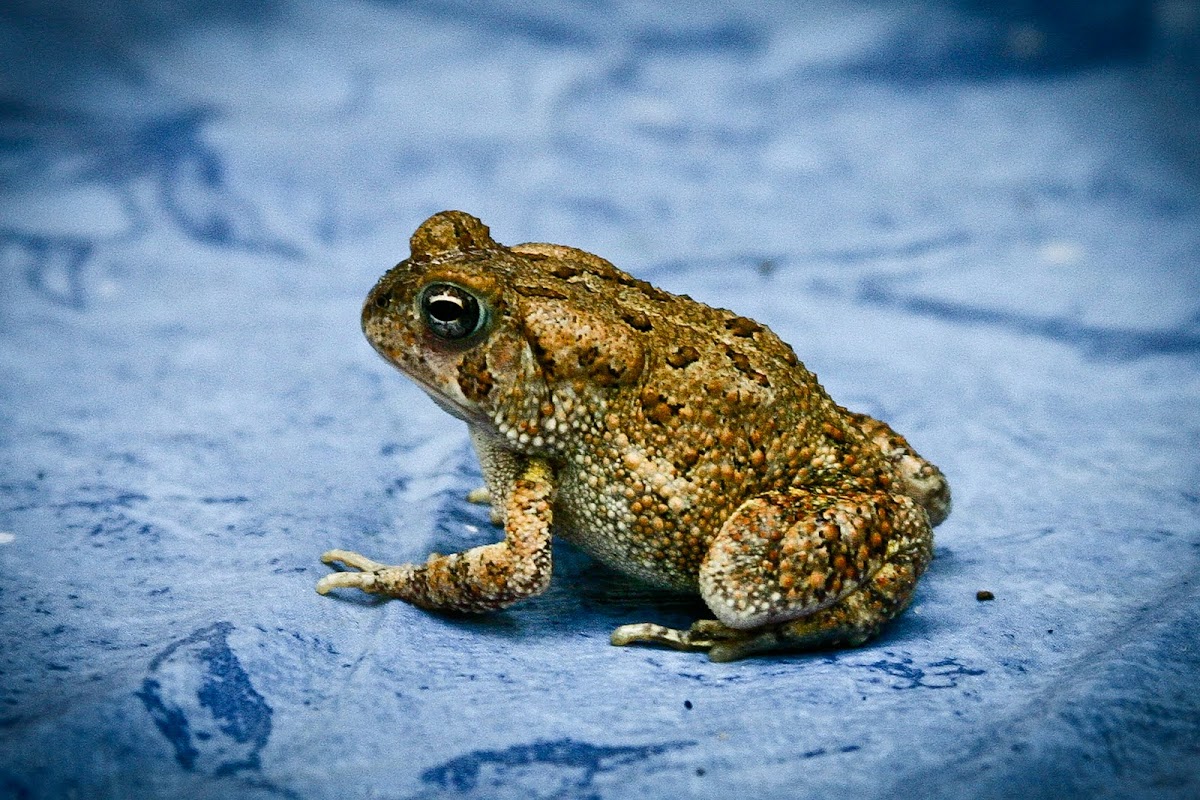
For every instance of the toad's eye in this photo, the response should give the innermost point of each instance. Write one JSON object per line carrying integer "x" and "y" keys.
{"x": 451, "y": 312}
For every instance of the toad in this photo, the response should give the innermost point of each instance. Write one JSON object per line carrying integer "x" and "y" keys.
{"x": 683, "y": 445}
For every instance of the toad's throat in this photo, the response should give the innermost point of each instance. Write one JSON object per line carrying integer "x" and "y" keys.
{"x": 449, "y": 399}
{"x": 469, "y": 416}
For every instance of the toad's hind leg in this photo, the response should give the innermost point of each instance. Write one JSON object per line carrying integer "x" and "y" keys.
{"x": 850, "y": 622}
{"x": 802, "y": 570}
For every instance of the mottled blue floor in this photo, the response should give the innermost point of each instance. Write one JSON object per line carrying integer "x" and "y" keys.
{"x": 979, "y": 221}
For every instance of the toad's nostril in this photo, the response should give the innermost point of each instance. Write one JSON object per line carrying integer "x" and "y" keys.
{"x": 383, "y": 299}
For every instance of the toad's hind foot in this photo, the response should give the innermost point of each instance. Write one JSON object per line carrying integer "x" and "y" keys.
{"x": 721, "y": 642}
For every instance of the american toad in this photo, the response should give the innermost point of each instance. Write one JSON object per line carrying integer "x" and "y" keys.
{"x": 683, "y": 445}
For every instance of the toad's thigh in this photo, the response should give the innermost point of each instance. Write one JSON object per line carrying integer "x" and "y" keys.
{"x": 786, "y": 555}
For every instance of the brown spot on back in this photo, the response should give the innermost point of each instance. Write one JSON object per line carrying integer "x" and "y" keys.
{"x": 637, "y": 320}
{"x": 588, "y": 356}
{"x": 741, "y": 362}
{"x": 683, "y": 356}
{"x": 657, "y": 407}
{"x": 564, "y": 271}
{"x": 544, "y": 357}
{"x": 689, "y": 456}
{"x": 604, "y": 372}
{"x": 742, "y": 326}
{"x": 607, "y": 374}
{"x": 625, "y": 279}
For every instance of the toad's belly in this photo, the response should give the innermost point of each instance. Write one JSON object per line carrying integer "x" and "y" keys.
{"x": 614, "y": 535}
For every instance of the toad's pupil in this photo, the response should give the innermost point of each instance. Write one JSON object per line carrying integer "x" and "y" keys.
{"x": 444, "y": 308}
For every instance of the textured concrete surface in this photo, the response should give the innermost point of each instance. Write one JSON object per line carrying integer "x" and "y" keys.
{"x": 977, "y": 221}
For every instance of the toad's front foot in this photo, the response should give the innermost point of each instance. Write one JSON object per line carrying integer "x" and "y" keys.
{"x": 372, "y": 576}
{"x": 721, "y": 642}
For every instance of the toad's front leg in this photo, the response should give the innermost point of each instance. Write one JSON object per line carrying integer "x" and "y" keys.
{"x": 480, "y": 579}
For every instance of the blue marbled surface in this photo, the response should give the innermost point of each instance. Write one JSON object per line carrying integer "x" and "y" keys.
{"x": 977, "y": 221}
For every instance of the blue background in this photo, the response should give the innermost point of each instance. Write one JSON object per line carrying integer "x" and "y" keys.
{"x": 979, "y": 221}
